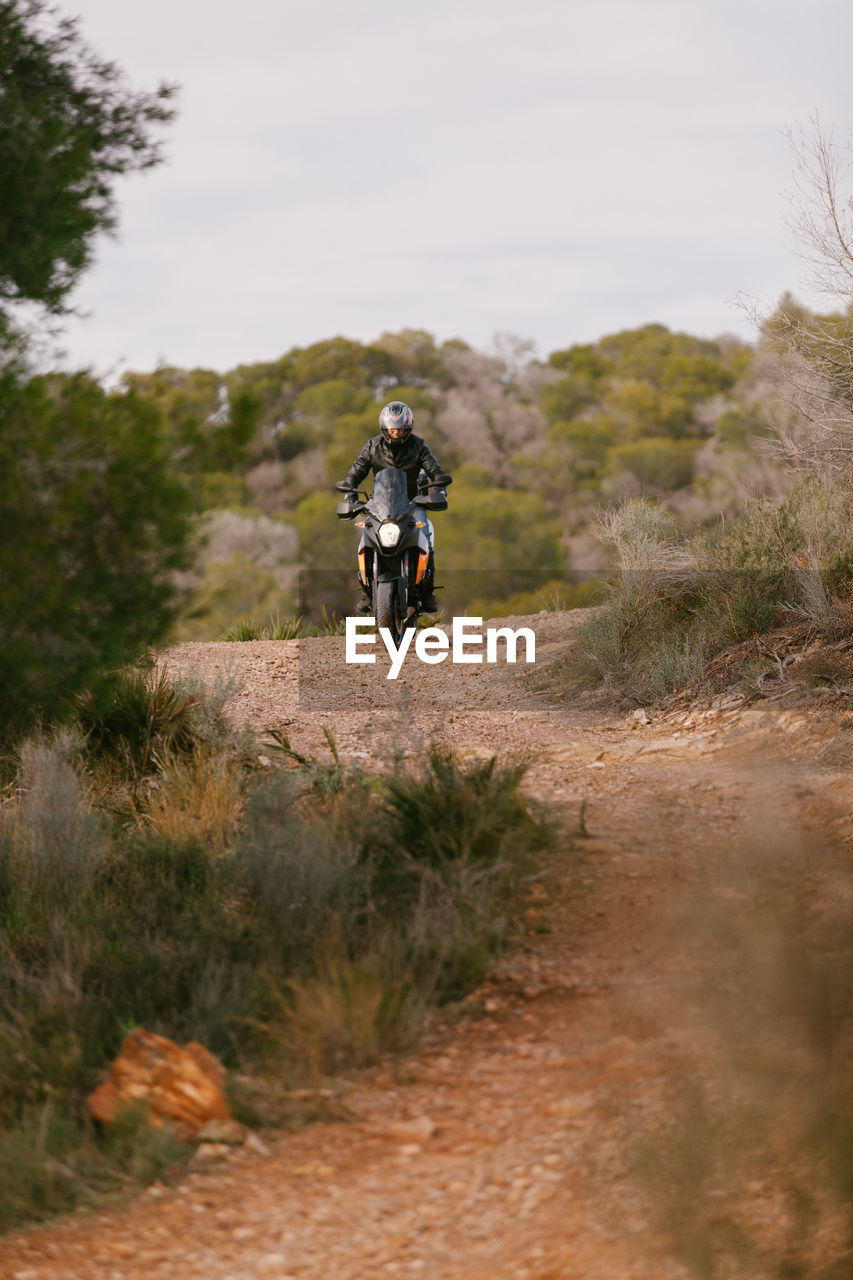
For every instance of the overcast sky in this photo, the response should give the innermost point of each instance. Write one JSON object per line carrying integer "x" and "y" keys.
{"x": 557, "y": 168}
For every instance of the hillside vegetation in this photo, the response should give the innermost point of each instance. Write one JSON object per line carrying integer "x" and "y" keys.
{"x": 535, "y": 447}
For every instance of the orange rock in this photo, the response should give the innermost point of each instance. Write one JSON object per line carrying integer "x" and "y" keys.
{"x": 184, "y": 1086}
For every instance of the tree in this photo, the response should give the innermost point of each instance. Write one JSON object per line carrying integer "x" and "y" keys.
{"x": 92, "y": 527}
{"x": 814, "y": 366}
{"x": 93, "y": 523}
{"x": 69, "y": 126}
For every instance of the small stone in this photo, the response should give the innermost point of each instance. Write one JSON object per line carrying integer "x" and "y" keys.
{"x": 207, "y": 1152}
{"x": 572, "y": 1104}
{"x": 222, "y": 1129}
{"x": 256, "y": 1144}
{"x": 272, "y": 1262}
{"x": 421, "y": 1129}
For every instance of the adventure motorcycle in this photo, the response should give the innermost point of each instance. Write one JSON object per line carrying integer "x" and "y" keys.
{"x": 394, "y": 551}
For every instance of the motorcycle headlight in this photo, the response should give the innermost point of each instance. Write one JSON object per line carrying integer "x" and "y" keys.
{"x": 389, "y": 534}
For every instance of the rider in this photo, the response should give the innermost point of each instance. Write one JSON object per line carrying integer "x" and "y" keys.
{"x": 396, "y": 446}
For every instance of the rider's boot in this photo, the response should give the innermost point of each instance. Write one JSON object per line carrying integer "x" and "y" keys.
{"x": 364, "y": 603}
{"x": 429, "y": 604}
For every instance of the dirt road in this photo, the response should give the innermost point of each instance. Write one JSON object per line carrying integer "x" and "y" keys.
{"x": 508, "y": 1145}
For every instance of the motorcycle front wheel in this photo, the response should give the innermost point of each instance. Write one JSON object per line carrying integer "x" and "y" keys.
{"x": 386, "y": 609}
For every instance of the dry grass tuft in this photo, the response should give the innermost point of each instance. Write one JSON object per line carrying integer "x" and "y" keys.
{"x": 197, "y": 797}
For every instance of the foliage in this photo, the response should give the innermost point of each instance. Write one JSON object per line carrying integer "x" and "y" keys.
{"x": 210, "y": 428}
{"x": 675, "y": 604}
{"x": 555, "y": 595}
{"x": 809, "y": 357}
{"x": 277, "y": 628}
{"x": 307, "y": 911}
{"x": 69, "y": 127}
{"x": 153, "y": 732}
{"x": 661, "y": 465}
{"x": 93, "y": 524}
{"x": 492, "y": 540}
{"x": 146, "y": 716}
{"x": 51, "y": 1161}
{"x": 234, "y": 588}
{"x": 531, "y": 446}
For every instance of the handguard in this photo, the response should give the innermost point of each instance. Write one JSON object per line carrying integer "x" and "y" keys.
{"x": 432, "y": 494}
{"x": 346, "y": 510}
{"x": 354, "y": 503}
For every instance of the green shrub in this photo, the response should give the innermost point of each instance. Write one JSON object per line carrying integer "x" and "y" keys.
{"x": 322, "y": 928}
{"x": 177, "y": 946}
{"x": 146, "y": 715}
{"x": 554, "y": 596}
{"x": 51, "y": 1161}
{"x": 303, "y": 872}
{"x": 676, "y": 604}
{"x": 413, "y": 874}
{"x": 276, "y": 628}
{"x": 243, "y": 629}
{"x": 664, "y": 465}
{"x": 153, "y": 725}
{"x": 92, "y": 527}
{"x": 329, "y": 624}
{"x": 448, "y": 847}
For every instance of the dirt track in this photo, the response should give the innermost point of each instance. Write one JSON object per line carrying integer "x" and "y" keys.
{"x": 504, "y": 1147}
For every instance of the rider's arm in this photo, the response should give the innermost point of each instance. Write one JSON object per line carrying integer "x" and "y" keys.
{"x": 360, "y": 466}
{"x": 430, "y": 464}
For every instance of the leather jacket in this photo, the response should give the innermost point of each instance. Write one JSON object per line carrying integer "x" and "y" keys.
{"x": 412, "y": 455}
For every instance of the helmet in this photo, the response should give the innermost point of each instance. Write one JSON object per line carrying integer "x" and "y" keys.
{"x": 396, "y": 414}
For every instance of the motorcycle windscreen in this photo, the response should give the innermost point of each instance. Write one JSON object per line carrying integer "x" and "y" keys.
{"x": 390, "y": 494}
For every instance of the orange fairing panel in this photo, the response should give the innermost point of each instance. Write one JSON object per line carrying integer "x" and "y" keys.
{"x": 362, "y": 571}
{"x": 423, "y": 561}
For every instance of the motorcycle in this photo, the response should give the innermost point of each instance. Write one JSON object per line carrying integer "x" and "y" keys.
{"x": 394, "y": 550}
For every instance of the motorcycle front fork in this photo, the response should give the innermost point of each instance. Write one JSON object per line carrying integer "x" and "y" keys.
{"x": 416, "y": 589}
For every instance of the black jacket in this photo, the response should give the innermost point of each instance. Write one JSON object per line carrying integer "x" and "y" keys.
{"x": 412, "y": 456}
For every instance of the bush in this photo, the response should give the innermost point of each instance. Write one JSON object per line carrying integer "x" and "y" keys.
{"x": 177, "y": 945}
{"x": 238, "y": 587}
{"x": 676, "y": 604}
{"x": 146, "y": 715}
{"x": 92, "y": 526}
{"x": 315, "y": 913}
{"x": 556, "y": 595}
{"x": 277, "y": 628}
{"x": 152, "y": 726}
{"x": 51, "y": 1162}
{"x": 303, "y": 867}
{"x": 413, "y": 874}
{"x": 664, "y": 465}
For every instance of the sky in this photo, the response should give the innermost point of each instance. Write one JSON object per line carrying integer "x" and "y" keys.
{"x": 557, "y": 169}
